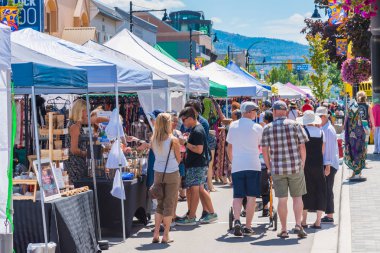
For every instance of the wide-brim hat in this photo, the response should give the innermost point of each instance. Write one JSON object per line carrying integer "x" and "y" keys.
{"x": 309, "y": 118}
{"x": 322, "y": 111}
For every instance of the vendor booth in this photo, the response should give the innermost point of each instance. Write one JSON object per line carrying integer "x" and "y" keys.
{"x": 129, "y": 44}
{"x": 298, "y": 89}
{"x": 286, "y": 92}
{"x": 6, "y": 217}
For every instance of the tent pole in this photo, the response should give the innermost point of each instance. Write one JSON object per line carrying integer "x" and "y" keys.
{"x": 168, "y": 100}
{"x": 92, "y": 164}
{"x": 120, "y": 169}
{"x": 151, "y": 98}
{"x": 37, "y": 141}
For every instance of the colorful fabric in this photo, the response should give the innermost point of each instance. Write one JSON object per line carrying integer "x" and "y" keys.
{"x": 196, "y": 176}
{"x": 376, "y": 114}
{"x": 355, "y": 150}
{"x": 283, "y": 136}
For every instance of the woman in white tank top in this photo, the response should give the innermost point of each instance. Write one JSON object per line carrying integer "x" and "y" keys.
{"x": 167, "y": 154}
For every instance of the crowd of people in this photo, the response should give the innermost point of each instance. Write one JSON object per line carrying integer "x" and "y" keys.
{"x": 291, "y": 142}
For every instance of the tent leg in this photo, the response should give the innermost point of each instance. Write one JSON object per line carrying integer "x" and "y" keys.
{"x": 226, "y": 107}
{"x": 120, "y": 169}
{"x": 92, "y": 164}
{"x": 37, "y": 141}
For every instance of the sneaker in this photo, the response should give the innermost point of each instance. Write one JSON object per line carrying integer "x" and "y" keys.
{"x": 211, "y": 217}
{"x": 237, "y": 228}
{"x": 172, "y": 225}
{"x": 177, "y": 218}
{"x": 204, "y": 214}
{"x": 248, "y": 231}
{"x": 243, "y": 213}
{"x": 187, "y": 222}
{"x": 327, "y": 220}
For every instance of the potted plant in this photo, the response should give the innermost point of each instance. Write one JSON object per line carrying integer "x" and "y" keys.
{"x": 356, "y": 70}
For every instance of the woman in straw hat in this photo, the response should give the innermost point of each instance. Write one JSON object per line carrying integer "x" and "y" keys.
{"x": 315, "y": 198}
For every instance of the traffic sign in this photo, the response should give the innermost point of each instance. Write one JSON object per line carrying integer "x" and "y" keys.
{"x": 303, "y": 67}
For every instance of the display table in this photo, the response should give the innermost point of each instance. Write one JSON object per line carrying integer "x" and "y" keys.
{"x": 70, "y": 223}
{"x": 135, "y": 204}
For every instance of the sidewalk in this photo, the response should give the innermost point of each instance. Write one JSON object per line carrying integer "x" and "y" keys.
{"x": 216, "y": 238}
{"x": 365, "y": 207}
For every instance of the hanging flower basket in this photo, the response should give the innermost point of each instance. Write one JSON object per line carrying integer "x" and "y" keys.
{"x": 356, "y": 70}
{"x": 365, "y": 8}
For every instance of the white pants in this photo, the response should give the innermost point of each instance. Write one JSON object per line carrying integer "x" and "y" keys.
{"x": 377, "y": 140}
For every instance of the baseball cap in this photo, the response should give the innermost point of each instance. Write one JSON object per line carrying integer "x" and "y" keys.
{"x": 248, "y": 107}
{"x": 280, "y": 105}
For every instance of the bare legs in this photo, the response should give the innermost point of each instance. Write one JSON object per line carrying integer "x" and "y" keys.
{"x": 250, "y": 210}
{"x": 210, "y": 172}
{"x": 283, "y": 212}
{"x": 158, "y": 219}
{"x": 298, "y": 208}
{"x": 317, "y": 221}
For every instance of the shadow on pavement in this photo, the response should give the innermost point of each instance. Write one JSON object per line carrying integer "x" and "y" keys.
{"x": 277, "y": 242}
{"x": 230, "y": 238}
{"x": 152, "y": 246}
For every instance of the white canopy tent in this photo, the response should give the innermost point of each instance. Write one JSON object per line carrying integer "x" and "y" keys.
{"x": 164, "y": 86}
{"x": 307, "y": 90}
{"x": 286, "y": 92}
{"x": 129, "y": 44}
{"x": 237, "y": 85}
{"x": 5, "y": 138}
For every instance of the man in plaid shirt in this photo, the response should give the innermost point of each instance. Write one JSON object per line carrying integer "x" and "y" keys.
{"x": 283, "y": 146}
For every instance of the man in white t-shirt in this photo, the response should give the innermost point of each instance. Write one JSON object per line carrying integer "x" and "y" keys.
{"x": 244, "y": 137}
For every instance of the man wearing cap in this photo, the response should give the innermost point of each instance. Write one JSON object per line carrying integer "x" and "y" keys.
{"x": 283, "y": 146}
{"x": 243, "y": 139}
{"x": 330, "y": 161}
{"x": 307, "y": 106}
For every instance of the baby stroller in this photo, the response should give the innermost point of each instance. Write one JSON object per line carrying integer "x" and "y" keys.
{"x": 266, "y": 189}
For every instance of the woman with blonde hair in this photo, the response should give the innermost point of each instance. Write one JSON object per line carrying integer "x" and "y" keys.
{"x": 76, "y": 164}
{"x": 166, "y": 149}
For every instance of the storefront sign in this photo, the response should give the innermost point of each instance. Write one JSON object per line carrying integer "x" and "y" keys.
{"x": 31, "y": 15}
{"x": 367, "y": 87}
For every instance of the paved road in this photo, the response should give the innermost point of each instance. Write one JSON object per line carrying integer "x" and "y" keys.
{"x": 365, "y": 208}
{"x": 215, "y": 237}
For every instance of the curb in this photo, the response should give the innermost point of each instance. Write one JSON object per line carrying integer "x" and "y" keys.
{"x": 344, "y": 232}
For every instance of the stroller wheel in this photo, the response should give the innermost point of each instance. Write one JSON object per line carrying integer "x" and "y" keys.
{"x": 231, "y": 217}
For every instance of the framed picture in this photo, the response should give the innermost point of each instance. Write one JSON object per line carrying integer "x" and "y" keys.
{"x": 49, "y": 185}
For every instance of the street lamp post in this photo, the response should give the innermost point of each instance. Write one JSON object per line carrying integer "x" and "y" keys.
{"x": 191, "y": 35}
{"x": 247, "y": 54}
{"x": 375, "y": 56}
{"x": 131, "y": 11}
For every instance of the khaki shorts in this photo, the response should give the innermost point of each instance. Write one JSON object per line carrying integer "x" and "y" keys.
{"x": 170, "y": 186}
{"x": 294, "y": 182}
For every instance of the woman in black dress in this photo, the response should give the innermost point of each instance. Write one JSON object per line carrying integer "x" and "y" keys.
{"x": 315, "y": 198}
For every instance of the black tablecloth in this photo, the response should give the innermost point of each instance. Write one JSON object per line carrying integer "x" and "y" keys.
{"x": 135, "y": 204}
{"x": 70, "y": 224}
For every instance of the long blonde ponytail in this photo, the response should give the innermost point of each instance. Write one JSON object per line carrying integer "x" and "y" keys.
{"x": 162, "y": 130}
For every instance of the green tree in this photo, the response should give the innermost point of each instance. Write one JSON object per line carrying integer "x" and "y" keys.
{"x": 283, "y": 75}
{"x": 321, "y": 84}
{"x": 253, "y": 69}
{"x": 223, "y": 62}
{"x": 334, "y": 75}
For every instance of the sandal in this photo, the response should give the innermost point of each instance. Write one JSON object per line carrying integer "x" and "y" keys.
{"x": 156, "y": 240}
{"x": 283, "y": 234}
{"x": 316, "y": 227}
{"x": 304, "y": 226}
{"x": 300, "y": 232}
{"x": 182, "y": 198}
{"x": 168, "y": 241}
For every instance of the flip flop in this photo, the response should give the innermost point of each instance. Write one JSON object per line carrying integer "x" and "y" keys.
{"x": 283, "y": 234}
{"x": 166, "y": 242}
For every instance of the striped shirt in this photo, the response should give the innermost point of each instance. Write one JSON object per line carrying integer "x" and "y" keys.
{"x": 283, "y": 136}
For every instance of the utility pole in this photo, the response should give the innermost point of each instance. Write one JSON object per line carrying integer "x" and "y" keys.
{"x": 191, "y": 49}
{"x": 375, "y": 55}
{"x": 130, "y": 17}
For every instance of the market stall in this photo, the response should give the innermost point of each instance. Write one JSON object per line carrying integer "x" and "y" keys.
{"x": 129, "y": 44}
{"x": 5, "y": 141}
{"x": 298, "y": 89}
{"x": 286, "y": 92}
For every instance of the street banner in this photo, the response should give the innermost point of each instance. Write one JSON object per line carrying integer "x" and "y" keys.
{"x": 9, "y": 17}
{"x": 31, "y": 15}
{"x": 341, "y": 47}
{"x": 336, "y": 13}
{"x": 198, "y": 62}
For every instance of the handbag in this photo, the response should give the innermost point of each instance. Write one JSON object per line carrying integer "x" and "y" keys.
{"x": 156, "y": 190}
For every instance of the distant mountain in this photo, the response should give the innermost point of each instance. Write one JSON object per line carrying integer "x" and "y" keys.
{"x": 274, "y": 50}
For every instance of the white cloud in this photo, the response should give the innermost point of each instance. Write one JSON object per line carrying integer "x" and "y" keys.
{"x": 216, "y": 20}
{"x": 287, "y": 28}
{"x": 151, "y": 4}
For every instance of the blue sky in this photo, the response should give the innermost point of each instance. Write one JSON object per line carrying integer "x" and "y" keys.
{"x": 282, "y": 19}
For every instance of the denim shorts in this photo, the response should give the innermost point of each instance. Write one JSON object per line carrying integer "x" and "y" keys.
{"x": 246, "y": 183}
{"x": 195, "y": 176}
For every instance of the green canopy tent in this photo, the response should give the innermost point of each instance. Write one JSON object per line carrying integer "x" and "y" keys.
{"x": 216, "y": 90}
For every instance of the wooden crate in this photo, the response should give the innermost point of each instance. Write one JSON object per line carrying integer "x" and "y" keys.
{"x": 45, "y": 131}
{"x": 58, "y": 154}
{"x": 26, "y": 182}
